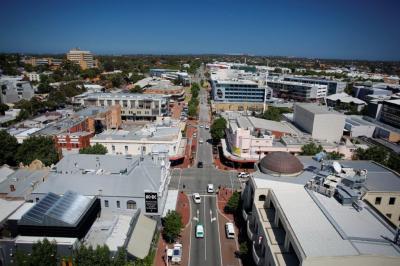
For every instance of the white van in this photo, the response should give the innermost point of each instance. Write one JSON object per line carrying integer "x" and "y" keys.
{"x": 229, "y": 230}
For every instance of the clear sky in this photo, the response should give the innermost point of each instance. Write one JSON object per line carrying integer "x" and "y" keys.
{"x": 348, "y": 29}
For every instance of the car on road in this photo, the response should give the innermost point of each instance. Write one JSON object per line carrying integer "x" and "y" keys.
{"x": 199, "y": 231}
{"x": 196, "y": 198}
{"x": 207, "y": 127}
{"x": 201, "y": 141}
{"x": 201, "y": 126}
{"x": 200, "y": 165}
{"x": 243, "y": 175}
{"x": 177, "y": 254}
{"x": 210, "y": 188}
{"x": 229, "y": 230}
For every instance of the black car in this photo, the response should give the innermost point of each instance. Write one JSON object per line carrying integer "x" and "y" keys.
{"x": 200, "y": 165}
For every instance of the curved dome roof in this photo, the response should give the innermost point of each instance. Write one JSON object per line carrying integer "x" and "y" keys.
{"x": 280, "y": 163}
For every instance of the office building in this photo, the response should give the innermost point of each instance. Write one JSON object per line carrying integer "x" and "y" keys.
{"x": 356, "y": 126}
{"x": 14, "y": 89}
{"x": 298, "y": 91}
{"x": 319, "y": 121}
{"x": 297, "y": 214}
{"x": 333, "y": 86}
{"x": 54, "y": 63}
{"x": 82, "y": 58}
{"x": 121, "y": 182}
{"x": 362, "y": 92}
{"x": 133, "y": 106}
{"x": 343, "y": 101}
{"x": 390, "y": 113}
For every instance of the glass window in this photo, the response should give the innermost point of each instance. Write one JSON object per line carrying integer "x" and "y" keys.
{"x": 106, "y": 203}
{"x": 118, "y": 204}
{"x": 389, "y": 215}
{"x": 378, "y": 200}
{"x": 392, "y": 200}
{"x": 131, "y": 204}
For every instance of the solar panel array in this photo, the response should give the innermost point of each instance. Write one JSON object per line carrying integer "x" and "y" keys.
{"x": 54, "y": 210}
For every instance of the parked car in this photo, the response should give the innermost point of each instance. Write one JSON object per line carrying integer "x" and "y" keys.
{"x": 199, "y": 231}
{"x": 201, "y": 126}
{"x": 207, "y": 127}
{"x": 229, "y": 230}
{"x": 210, "y": 188}
{"x": 177, "y": 254}
{"x": 196, "y": 198}
{"x": 201, "y": 141}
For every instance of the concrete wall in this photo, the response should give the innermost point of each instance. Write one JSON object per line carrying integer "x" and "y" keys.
{"x": 328, "y": 127}
{"x": 384, "y": 208}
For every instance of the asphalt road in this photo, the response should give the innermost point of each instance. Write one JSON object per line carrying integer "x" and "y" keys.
{"x": 207, "y": 250}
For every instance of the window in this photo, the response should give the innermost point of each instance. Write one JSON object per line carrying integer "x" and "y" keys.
{"x": 126, "y": 148}
{"x": 113, "y": 148}
{"x": 131, "y": 204}
{"x": 118, "y": 204}
{"x": 392, "y": 200}
{"x": 261, "y": 198}
{"x": 378, "y": 200}
{"x": 106, "y": 203}
{"x": 389, "y": 215}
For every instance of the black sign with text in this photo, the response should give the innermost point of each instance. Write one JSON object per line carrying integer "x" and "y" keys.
{"x": 151, "y": 202}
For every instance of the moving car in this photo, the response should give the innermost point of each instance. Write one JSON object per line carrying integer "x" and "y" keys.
{"x": 200, "y": 165}
{"x": 196, "y": 198}
{"x": 229, "y": 230}
{"x": 207, "y": 127}
{"x": 210, "y": 188}
{"x": 201, "y": 126}
{"x": 199, "y": 231}
{"x": 243, "y": 175}
{"x": 201, "y": 141}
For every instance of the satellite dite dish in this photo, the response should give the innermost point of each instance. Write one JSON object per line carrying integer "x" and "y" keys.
{"x": 336, "y": 166}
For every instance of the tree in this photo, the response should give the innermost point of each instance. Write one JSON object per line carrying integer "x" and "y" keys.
{"x": 274, "y": 113}
{"x": 137, "y": 89}
{"x": 232, "y": 206}
{"x": 376, "y": 153}
{"x": 310, "y": 149}
{"x": 8, "y": 146}
{"x": 95, "y": 149}
{"x": 3, "y": 108}
{"x": 44, "y": 253}
{"x": 217, "y": 129}
{"x": 192, "y": 110}
{"x": 243, "y": 249}
{"x": 394, "y": 162}
{"x": 37, "y": 147}
{"x": 334, "y": 156}
{"x": 172, "y": 226}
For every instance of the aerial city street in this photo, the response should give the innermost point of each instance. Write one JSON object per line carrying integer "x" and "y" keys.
{"x": 200, "y": 133}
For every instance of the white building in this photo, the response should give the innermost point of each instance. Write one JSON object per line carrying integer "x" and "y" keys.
{"x": 144, "y": 140}
{"x": 319, "y": 121}
{"x": 14, "y": 89}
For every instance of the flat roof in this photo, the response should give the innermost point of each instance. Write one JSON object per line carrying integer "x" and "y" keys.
{"x": 316, "y": 109}
{"x": 142, "y": 236}
{"x": 8, "y": 207}
{"x": 140, "y": 134}
{"x": 138, "y": 96}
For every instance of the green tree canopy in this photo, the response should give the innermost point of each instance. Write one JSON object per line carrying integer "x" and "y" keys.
{"x": 137, "y": 89}
{"x": 275, "y": 113}
{"x": 334, "y": 156}
{"x": 37, "y": 147}
{"x": 44, "y": 253}
{"x": 232, "y": 206}
{"x": 3, "y": 108}
{"x": 377, "y": 154}
{"x": 172, "y": 226}
{"x": 311, "y": 149}
{"x": 95, "y": 149}
{"x": 8, "y": 146}
{"x": 217, "y": 129}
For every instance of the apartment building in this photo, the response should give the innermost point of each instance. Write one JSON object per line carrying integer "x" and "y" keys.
{"x": 297, "y": 214}
{"x": 52, "y": 62}
{"x": 82, "y": 58}
{"x": 298, "y": 91}
{"x": 319, "y": 121}
{"x": 333, "y": 86}
{"x": 133, "y": 106}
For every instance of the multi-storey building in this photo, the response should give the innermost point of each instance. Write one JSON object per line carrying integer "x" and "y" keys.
{"x": 333, "y": 86}
{"x": 298, "y": 215}
{"x": 390, "y": 113}
{"x": 83, "y": 58}
{"x": 52, "y": 62}
{"x": 298, "y": 91}
{"x": 133, "y": 106}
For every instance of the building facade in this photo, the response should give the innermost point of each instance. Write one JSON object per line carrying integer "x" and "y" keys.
{"x": 14, "y": 89}
{"x": 305, "y": 92}
{"x": 84, "y": 59}
{"x": 390, "y": 113}
{"x": 333, "y": 86}
{"x": 133, "y": 106}
{"x": 321, "y": 123}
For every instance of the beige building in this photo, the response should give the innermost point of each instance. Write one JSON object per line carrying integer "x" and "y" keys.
{"x": 83, "y": 58}
{"x": 297, "y": 215}
{"x": 237, "y": 106}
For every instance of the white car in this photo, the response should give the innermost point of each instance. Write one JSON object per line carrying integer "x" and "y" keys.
{"x": 196, "y": 198}
{"x": 229, "y": 230}
{"x": 207, "y": 127}
{"x": 243, "y": 175}
{"x": 210, "y": 188}
{"x": 201, "y": 126}
{"x": 201, "y": 141}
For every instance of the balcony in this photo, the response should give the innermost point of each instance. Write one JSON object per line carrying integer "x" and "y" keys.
{"x": 258, "y": 256}
{"x": 250, "y": 233}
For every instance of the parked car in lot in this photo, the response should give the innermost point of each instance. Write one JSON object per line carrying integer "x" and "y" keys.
{"x": 196, "y": 198}
{"x": 199, "y": 231}
{"x": 229, "y": 230}
{"x": 210, "y": 188}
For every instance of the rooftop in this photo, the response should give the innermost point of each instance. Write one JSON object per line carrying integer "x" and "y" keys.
{"x": 136, "y": 96}
{"x": 345, "y": 98}
{"x": 316, "y": 109}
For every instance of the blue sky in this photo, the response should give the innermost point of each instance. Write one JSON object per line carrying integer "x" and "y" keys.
{"x": 352, "y": 29}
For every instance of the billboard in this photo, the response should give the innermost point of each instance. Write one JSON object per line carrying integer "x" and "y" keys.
{"x": 151, "y": 202}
